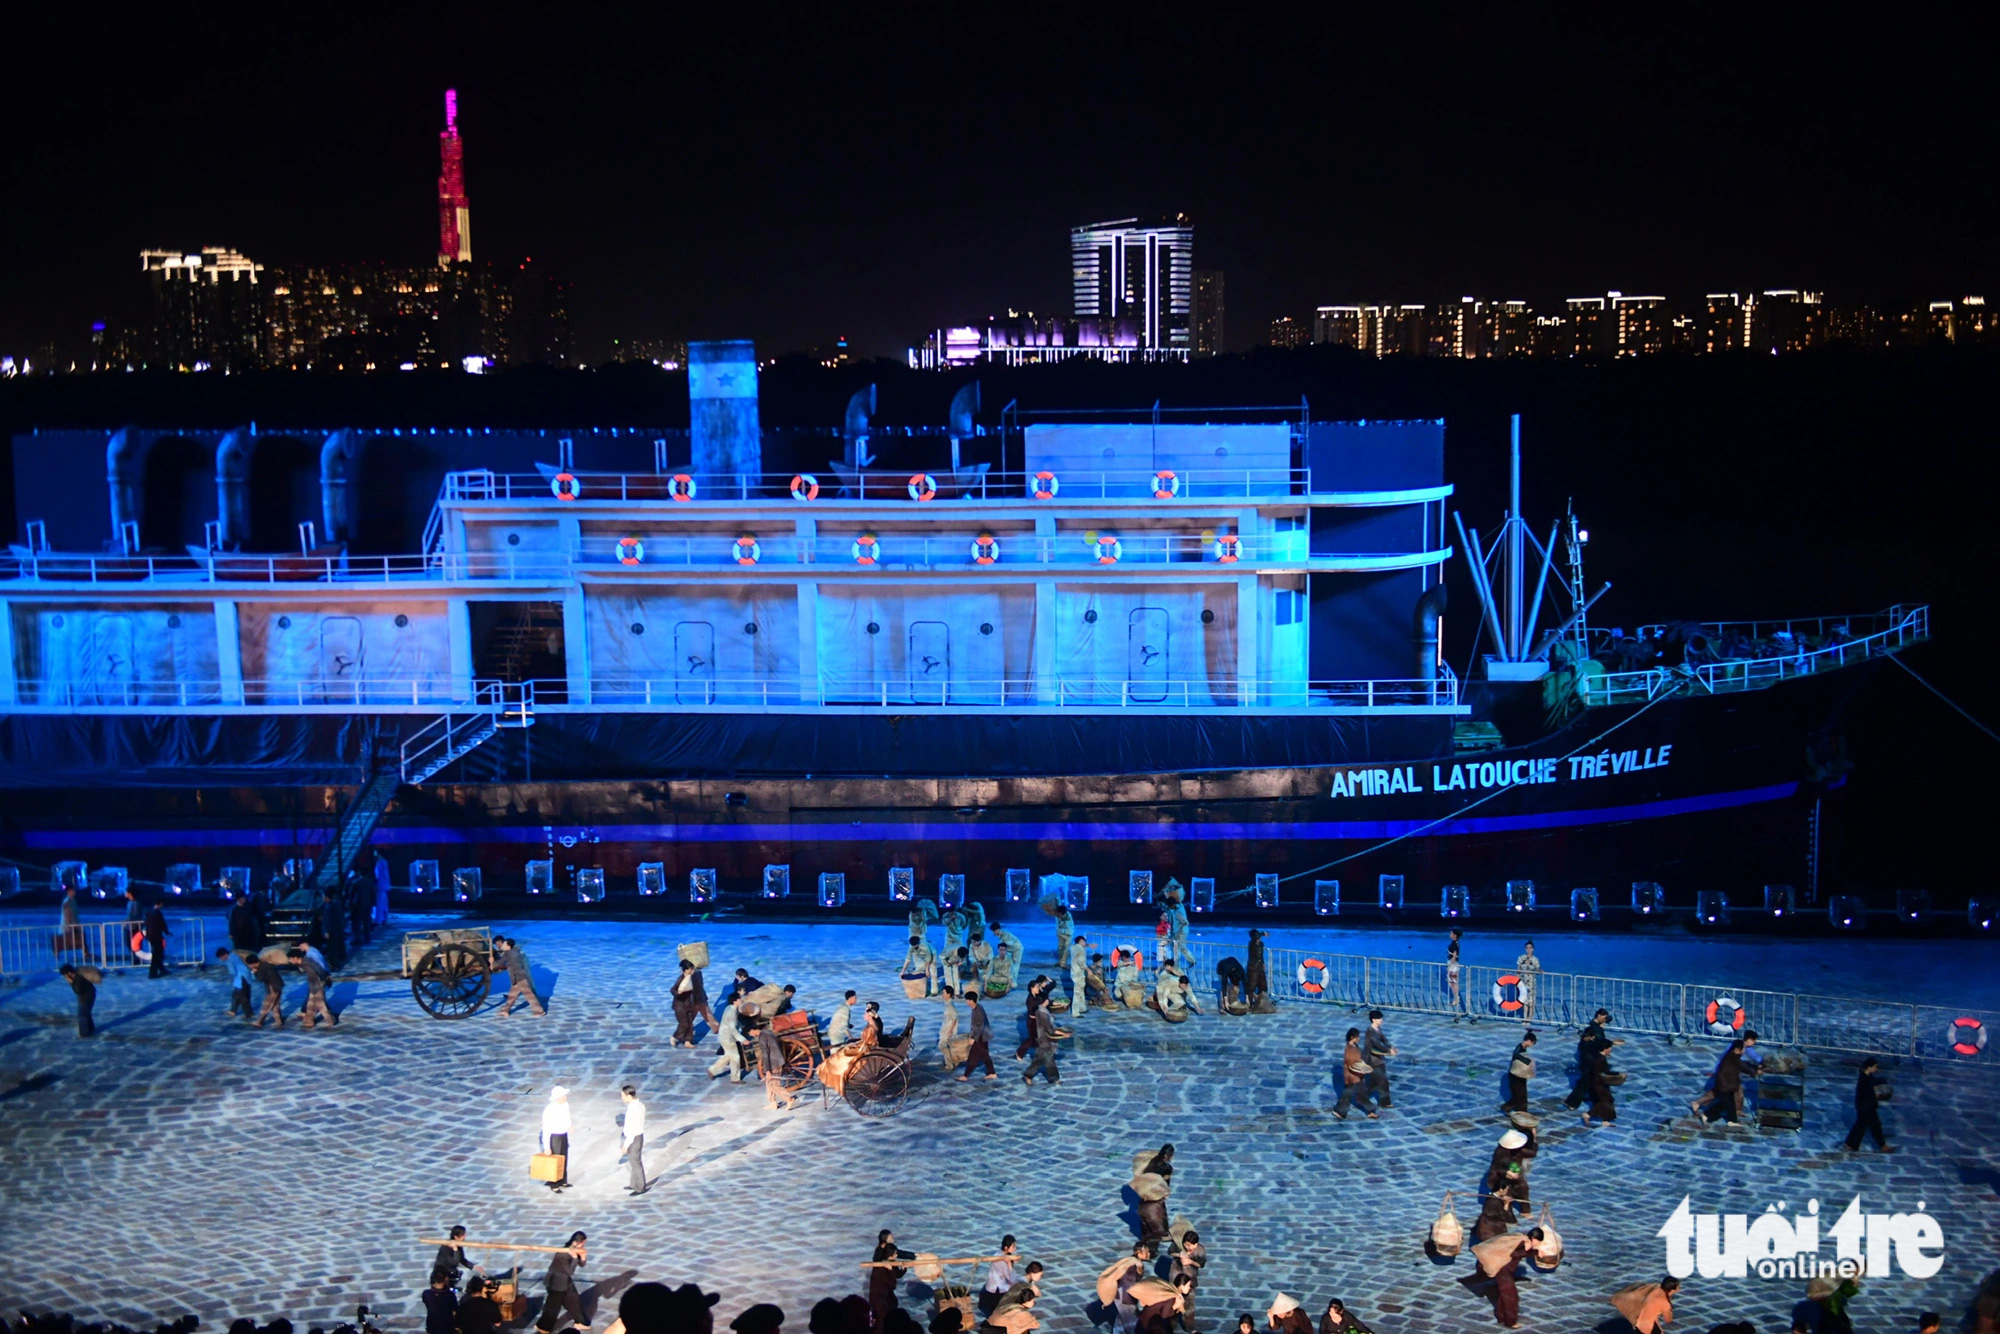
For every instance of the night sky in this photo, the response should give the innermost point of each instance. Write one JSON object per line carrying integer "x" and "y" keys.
{"x": 738, "y": 171}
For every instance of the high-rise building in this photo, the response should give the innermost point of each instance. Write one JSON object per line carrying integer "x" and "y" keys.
{"x": 1592, "y": 333}
{"x": 454, "y": 210}
{"x": 1510, "y": 329}
{"x": 1341, "y": 326}
{"x": 1643, "y": 324}
{"x": 1209, "y": 335}
{"x": 1288, "y": 332}
{"x": 204, "y": 310}
{"x": 1125, "y": 269}
{"x": 1786, "y": 320}
{"x": 1727, "y": 323}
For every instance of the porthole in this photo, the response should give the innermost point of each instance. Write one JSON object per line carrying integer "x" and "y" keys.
{"x": 173, "y": 622}
{"x": 402, "y": 621}
{"x": 1090, "y": 617}
{"x": 638, "y": 629}
{"x": 56, "y": 621}
{"x": 874, "y": 629}
{"x": 284, "y": 622}
{"x": 513, "y": 539}
{"x": 750, "y": 627}
{"x": 1207, "y": 616}
{"x": 986, "y": 627}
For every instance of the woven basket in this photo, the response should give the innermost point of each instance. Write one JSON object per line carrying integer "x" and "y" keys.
{"x": 695, "y": 952}
{"x": 915, "y": 987}
{"x": 1447, "y": 1233}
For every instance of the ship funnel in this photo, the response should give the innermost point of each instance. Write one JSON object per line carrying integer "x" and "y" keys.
{"x": 722, "y": 408}
{"x": 860, "y": 408}
{"x": 964, "y": 404}
{"x": 232, "y": 485}
{"x": 125, "y": 469}
{"x": 1430, "y": 610}
{"x": 336, "y": 485}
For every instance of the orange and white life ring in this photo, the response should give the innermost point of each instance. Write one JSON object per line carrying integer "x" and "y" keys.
{"x": 867, "y": 549}
{"x": 680, "y": 487}
{"x": 923, "y": 487}
{"x": 1108, "y": 549}
{"x": 1967, "y": 1036}
{"x": 805, "y": 486}
{"x": 565, "y": 486}
{"x": 1307, "y": 982}
{"x": 1507, "y": 993}
{"x": 1165, "y": 484}
{"x": 985, "y": 549}
{"x": 1228, "y": 548}
{"x": 141, "y": 949}
{"x": 746, "y": 551}
{"x": 631, "y": 551}
{"x": 1724, "y": 1016}
{"x": 1128, "y": 953}
{"x": 1043, "y": 486}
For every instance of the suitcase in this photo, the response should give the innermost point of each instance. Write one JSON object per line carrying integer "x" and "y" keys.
{"x": 547, "y": 1167}
{"x": 792, "y": 1021}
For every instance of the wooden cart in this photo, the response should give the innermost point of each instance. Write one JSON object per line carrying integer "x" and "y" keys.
{"x": 799, "y": 1041}
{"x": 876, "y": 1082}
{"x": 450, "y": 970}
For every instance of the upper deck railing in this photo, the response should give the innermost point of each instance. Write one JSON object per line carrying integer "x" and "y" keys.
{"x": 1765, "y": 653}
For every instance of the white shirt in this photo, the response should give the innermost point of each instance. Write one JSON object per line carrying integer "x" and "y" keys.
{"x": 841, "y": 1024}
{"x": 1000, "y": 1276}
{"x": 635, "y": 1120}
{"x": 685, "y": 985}
{"x": 555, "y": 1119}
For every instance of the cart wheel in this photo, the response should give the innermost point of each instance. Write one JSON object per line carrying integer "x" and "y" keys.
{"x": 878, "y": 1083}
{"x": 801, "y": 1059}
{"x": 450, "y": 982}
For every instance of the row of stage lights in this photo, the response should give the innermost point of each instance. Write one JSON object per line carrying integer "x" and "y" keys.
{"x": 467, "y": 885}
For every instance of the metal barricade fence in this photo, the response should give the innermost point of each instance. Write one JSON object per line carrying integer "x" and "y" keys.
{"x": 1772, "y": 1015}
{"x": 1841, "y": 1023}
{"x": 1953, "y": 1035}
{"x": 1635, "y": 1006}
{"x": 1497, "y": 993}
{"x": 104, "y": 945}
{"x": 1412, "y": 984}
{"x": 1307, "y": 975}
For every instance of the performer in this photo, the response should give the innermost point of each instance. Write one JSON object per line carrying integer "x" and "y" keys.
{"x": 1000, "y": 972}
{"x": 1498, "y": 1257}
{"x": 1520, "y": 1069}
{"x": 771, "y": 1065}
{"x": 1591, "y": 1042}
{"x": 1286, "y": 1316}
{"x": 1509, "y": 1165}
{"x": 1867, "y": 1116}
{"x": 1065, "y": 936}
{"x": 560, "y": 1306}
{"x": 1647, "y": 1306}
{"x": 690, "y": 1004}
{"x": 1176, "y": 918}
{"x": 1100, "y": 993}
{"x": 555, "y": 1133}
{"x": 1451, "y": 970}
{"x": 267, "y": 973}
{"x": 882, "y": 1282}
{"x": 920, "y": 959}
{"x": 1046, "y": 1036}
{"x": 999, "y": 1276}
{"x": 980, "y": 1030}
{"x": 1597, "y": 1086}
{"x": 634, "y": 1134}
{"x": 1725, "y": 1085}
{"x": 451, "y": 1256}
{"x": 1529, "y": 967}
{"x": 948, "y": 1026}
{"x": 955, "y": 926}
{"x": 85, "y": 987}
{"x": 842, "y": 1023}
{"x": 1259, "y": 977}
{"x": 1115, "y": 1280}
{"x": 1039, "y": 988}
{"x": 1354, "y": 1070}
{"x": 1375, "y": 1045}
{"x": 1229, "y": 980}
{"x": 979, "y": 955}
{"x": 1153, "y": 1213}
{"x": 1079, "y": 976}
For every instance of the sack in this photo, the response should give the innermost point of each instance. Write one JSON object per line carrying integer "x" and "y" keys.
{"x": 1134, "y": 997}
{"x": 1522, "y": 1068}
{"x": 1551, "y": 1254}
{"x": 1150, "y": 1186}
{"x": 1015, "y": 1320}
{"x": 956, "y": 1051}
{"x": 915, "y": 987}
{"x": 695, "y": 952}
{"x": 1495, "y": 1253}
{"x": 1150, "y": 1290}
{"x": 90, "y": 974}
{"x": 1447, "y": 1234}
{"x": 1107, "y": 1278}
{"x": 1629, "y": 1301}
{"x": 925, "y": 1268}
{"x": 547, "y": 1167}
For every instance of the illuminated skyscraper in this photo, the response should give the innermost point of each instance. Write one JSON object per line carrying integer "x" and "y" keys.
{"x": 1209, "y": 335}
{"x": 454, "y": 210}
{"x": 1126, "y": 269}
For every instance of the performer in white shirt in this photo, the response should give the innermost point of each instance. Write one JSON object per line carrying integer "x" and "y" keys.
{"x": 555, "y": 1131}
{"x": 635, "y": 1141}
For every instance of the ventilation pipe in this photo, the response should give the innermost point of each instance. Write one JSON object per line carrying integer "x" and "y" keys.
{"x": 1430, "y": 611}
{"x": 125, "y": 471}
{"x": 860, "y": 408}
{"x": 336, "y": 485}
{"x": 232, "y": 486}
{"x": 964, "y": 404}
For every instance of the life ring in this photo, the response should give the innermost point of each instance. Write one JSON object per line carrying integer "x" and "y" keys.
{"x": 1967, "y": 1036}
{"x": 1119, "y": 953}
{"x": 985, "y": 549}
{"x": 631, "y": 551}
{"x": 1306, "y": 970}
{"x": 1108, "y": 549}
{"x": 680, "y": 487}
{"x": 867, "y": 550}
{"x": 1043, "y": 486}
{"x": 1228, "y": 548}
{"x": 1724, "y": 1016}
{"x": 923, "y": 486}
{"x": 1507, "y": 993}
{"x": 1165, "y": 484}
{"x": 746, "y": 551}
{"x": 140, "y": 948}
{"x": 805, "y": 486}
{"x": 565, "y": 485}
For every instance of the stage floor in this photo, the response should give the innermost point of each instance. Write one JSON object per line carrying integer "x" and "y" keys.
{"x": 181, "y": 1161}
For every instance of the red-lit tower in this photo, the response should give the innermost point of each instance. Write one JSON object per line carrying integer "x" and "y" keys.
{"x": 454, "y": 211}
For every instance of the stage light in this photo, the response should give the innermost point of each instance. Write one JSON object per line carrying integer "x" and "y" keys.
{"x": 652, "y": 879}
{"x": 1979, "y": 914}
{"x": 1455, "y": 901}
{"x": 65, "y": 876}
{"x": 702, "y": 885}
{"x": 1648, "y": 897}
{"x": 10, "y": 881}
{"x": 1912, "y": 904}
{"x": 1389, "y": 892}
{"x": 778, "y": 881}
{"x": 1076, "y": 892}
{"x": 541, "y": 876}
{"x": 1326, "y": 898}
{"x": 1139, "y": 887}
{"x": 590, "y": 884}
{"x": 233, "y": 883}
{"x": 109, "y": 882}
{"x": 1520, "y": 895}
{"x": 183, "y": 879}
{"x": 1780, "y": 901}
{"x": 1711, "y": 907}
{"x": 1583, "y": 905}
{"x": 467, "y": 884}
{"x": 1018, "y": 882}
{"x": 1846, "y": 912}
{"x": 1267, "y": 890}
{"x": 1201, "y": 894}
{"x": 951, "y": 891}
{"x": 902, "y": 884}
{"x": 832, "y": 889}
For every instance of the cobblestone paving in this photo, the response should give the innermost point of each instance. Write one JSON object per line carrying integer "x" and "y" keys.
{"x": 181, "y": 1161}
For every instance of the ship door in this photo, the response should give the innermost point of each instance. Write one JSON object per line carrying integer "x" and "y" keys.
{"x": 930, "y": 661}
{"x": 694, "y": 662}
{"x": 340, "y": 658}
{"x": 1146, "y": 655}
{"x": 111, "y": 667}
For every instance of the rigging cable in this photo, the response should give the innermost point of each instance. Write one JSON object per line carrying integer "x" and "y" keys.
{"x": 1946, "y": 698}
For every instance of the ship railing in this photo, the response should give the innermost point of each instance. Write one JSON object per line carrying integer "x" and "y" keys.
{"x": 106, "y": 946}
{"x": 917, "y": 486}
{"x": 1905, "y": 626}
{"x": 1804, "y": 630}
{"x": 102, "y": 694}
{"x": 229, "y": 567}
{"x": 906, "y": 550}
{"x": 1570, "y": 1000}
{"x": 696, "y": 692}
